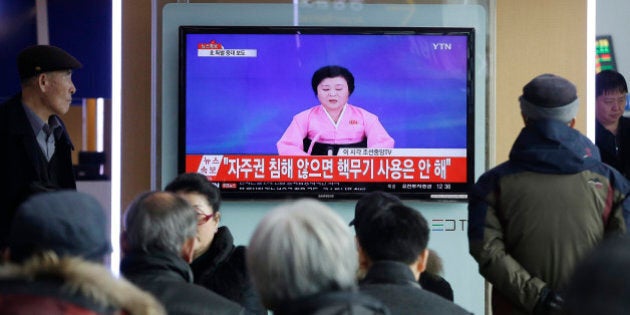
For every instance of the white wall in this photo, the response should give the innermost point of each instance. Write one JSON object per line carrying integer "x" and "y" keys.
{"x": 612, "y": 19}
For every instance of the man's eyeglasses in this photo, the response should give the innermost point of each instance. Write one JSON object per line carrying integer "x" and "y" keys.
{"x": 202, "y": 218}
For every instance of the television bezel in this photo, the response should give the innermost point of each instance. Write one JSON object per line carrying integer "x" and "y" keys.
{"x": 460, "y": 195}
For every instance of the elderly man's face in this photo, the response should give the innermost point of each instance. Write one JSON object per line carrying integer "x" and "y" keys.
{"x": 58, "y": 89}
{"x": 610, "y": 107}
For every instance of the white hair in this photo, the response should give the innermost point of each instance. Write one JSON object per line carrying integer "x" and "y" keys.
{"x": 299, "y": 249}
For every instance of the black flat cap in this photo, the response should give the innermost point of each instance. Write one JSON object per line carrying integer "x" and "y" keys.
{"x": 70, "y": 223}
{"x": 549, "y": 90}
{"x": 44, "y": 58}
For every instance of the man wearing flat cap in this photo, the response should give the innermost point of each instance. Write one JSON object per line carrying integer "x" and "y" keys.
{"x": 35, "y": 144}
{"x": 533, "y": 218}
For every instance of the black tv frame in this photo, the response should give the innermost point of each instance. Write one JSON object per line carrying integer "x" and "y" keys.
{"x": 459, "y": 195}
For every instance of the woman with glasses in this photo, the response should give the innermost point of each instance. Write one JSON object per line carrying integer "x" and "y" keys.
{"x": 218, "y": 264}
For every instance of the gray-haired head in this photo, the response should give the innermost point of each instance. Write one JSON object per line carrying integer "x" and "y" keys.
{"x": 299, "y": 249}
{"x": 549, "y": 97}
{"x": 159, "y": 221}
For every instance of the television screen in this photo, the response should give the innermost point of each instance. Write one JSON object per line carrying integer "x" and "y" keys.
{"x": 328, "y": 112}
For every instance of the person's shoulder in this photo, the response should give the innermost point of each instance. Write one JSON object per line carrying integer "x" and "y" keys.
{"x": 309, "y": 111}
{"x": 440, "y": 305}
{"x": 436, "y": 284}
{"x": 194, "y": 297}
{"x": 361, "y": 110}
{"x": 404, "y": 299}
{"x": 239, "y": 253}
{"x": 492, "y": 175}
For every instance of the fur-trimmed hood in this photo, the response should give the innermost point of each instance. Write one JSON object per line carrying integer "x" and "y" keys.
{"x": 87, "y": 279}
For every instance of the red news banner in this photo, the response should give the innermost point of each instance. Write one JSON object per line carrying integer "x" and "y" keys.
{"x": 371, "y": 165}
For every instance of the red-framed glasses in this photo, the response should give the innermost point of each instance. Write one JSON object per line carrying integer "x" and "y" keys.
{"x": 202, "y": 218}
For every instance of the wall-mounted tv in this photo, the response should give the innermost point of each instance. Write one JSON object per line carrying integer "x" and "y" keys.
{"x": 328, "y": 112}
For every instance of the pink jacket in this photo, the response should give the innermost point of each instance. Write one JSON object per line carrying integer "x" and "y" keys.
{"x": 353, "y": 126}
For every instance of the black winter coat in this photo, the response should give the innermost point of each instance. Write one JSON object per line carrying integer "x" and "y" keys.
{"x": 23, "y": 167}
{"x": 394, "y": 284}
{"x": 169, "y": 279}
{"x": 334, "y": 303}
{"x": 222, "y": 269}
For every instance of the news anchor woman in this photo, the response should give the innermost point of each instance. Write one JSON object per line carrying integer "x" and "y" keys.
{"x": 323, "y": 129}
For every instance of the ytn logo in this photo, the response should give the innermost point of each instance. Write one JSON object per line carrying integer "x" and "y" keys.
{"x": 442, "y": 46}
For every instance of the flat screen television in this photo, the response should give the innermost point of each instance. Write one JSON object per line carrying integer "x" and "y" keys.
{"x": 406, "y": 127}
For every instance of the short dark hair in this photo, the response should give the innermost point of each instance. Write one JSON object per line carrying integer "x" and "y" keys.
{"x": 371, "y": 203}
{"x": 610, "y": 81}
{"x": 197, "y": 183}
{"x": 332, "y": 72}
{"x": 396, "y": 232}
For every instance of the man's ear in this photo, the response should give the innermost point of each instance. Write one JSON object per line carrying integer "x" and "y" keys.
{"x": 42, "y": 80}
{"x": 421, "y": 264}
{"x": 572, "y": 123}
{"x": 188, "y": 249}
{"x": 364, "y": 261}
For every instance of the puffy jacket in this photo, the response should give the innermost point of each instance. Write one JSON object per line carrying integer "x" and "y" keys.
{"x": 69, "y": 286}
{"x": 532, "y": 218}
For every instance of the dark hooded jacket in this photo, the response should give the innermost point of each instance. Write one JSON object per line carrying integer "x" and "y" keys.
{"x": 222, "y": 269}
{"x": 532, "y": 218}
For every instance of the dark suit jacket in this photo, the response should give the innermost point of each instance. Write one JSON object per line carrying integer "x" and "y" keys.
{"x": 394, "y": 284}
{"x": 23, "y": 168}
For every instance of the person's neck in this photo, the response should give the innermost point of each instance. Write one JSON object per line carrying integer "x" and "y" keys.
{"x": 335, "y": 114}
{"x": 200, "y": 251}
{"x": 35, "y": 104}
